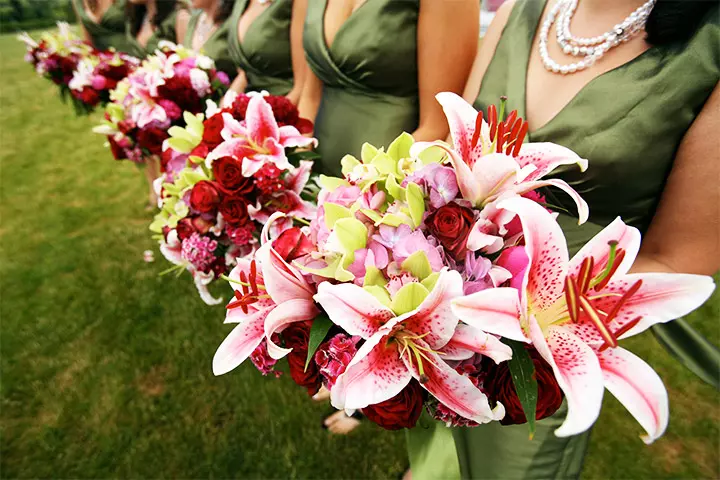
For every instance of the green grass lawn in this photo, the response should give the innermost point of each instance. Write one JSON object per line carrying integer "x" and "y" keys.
{"x": 106, "y": 367}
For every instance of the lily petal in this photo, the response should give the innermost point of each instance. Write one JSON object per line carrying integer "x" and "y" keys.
{"x": 290, "y": 137}
{"x": 627, "y": 238}
{"x": 260, "y": 120}
{"x": 461, "y": 117}
{"x": 580, "y": 203}
{"x": 284, "y": 314}
{"x": 546, "y": 248}
{"x": 636, "y": 385}
{"x": 546, "y": 157}
{"x": 468, "y": 341}
{"x": 354, "y": 309}
{"x": 455, "y": 391}
{"x": 434, "y": 317}
{"x": 282, "y": 281}
{"x": 238, "y": 345}
{"x": 375, "y": 374}
{"x": 578, "y": 374}
{"x": 494, "y": 310}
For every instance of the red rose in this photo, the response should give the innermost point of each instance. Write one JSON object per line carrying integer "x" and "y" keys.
{"x": 292, "y": 243}
{"x": 499, "y": 387}
{"x": 401, "y": 411}
{"x": 88, "y": 96}
{"x": 451, "y": 225}
{"x": 234, "y": 210}
{"x": 297, "y": 336}
{"x": 239, "y": 107}
{"x": 117, "y": 151}
{"x": 152, "y": 138}
{"x": 189, "y": 225}
{"x": 212, "y": 128}
{"x": 204, "y": 197}
{"x": 228, "y": 173}
{"x": 179, "y": 89}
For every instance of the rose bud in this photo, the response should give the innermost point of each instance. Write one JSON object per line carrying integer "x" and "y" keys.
{"x": 451, "y": 225}
{"x": 499, "y": 387}
{"x": 401, "y": 411}
{"x": 204, "y": 197}
{"x": 292, "y": 244}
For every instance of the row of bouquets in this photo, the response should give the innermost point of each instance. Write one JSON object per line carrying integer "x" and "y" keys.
{"x": 428, "y": 277}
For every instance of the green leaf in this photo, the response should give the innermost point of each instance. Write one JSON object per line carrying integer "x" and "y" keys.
{"x": 296, "y": 156}
{"x": 177, "y": 132}
{"x": 408, "y": 298}
{"x": 194, "y": 123}
{"x": 418, "y": 265}
{"x": 400, "y": 147}
{"x": 318, "y": 331}
{"x": 522, "y": 371}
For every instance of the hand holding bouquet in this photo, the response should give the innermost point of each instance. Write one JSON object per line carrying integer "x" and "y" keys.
{"x": 435, "y": 276}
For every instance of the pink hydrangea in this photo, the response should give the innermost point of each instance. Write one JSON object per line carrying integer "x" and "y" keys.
{"x": 242, "y": 235}
{"x": 334, "y": 356}
{"x": 263, "y": 361}
{"x": 199, "y": 251}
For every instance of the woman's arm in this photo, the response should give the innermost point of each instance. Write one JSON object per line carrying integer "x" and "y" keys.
{"x": 181, "y": 23}
{"x": 239, "y": 85}
{"x": 299, "y": 64}
{"x": 684, "y": 235}
{"x": 85, "y": 33}
{"x": 446, "y": 46}
{"x": 487, "y": 50}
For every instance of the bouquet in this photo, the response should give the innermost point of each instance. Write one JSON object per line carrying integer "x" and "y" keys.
{"x": 225, "y": 175}
{"x": 56, "y": 57}
{"x": 436, "y": 277}
{"x": 144, "y": 105}
{"x": 97, "y": 74}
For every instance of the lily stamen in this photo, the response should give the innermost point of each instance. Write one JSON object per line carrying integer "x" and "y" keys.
{"x": 594, "y": 317}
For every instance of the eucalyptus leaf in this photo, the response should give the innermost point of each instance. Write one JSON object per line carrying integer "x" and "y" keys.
{"x": 318, "y": 331}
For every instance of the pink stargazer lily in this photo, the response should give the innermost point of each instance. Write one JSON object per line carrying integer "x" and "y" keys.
{"x": 258, "y": 139}
{"x": 270, "y": 294}
{"x": 399, "y": 348}
{"x": 575, "y": 311}
{"x": 484, "y": 174}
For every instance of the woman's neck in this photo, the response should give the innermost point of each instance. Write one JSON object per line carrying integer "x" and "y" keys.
{"x": 211, "y": 10}
{"x": 604, "y": 6}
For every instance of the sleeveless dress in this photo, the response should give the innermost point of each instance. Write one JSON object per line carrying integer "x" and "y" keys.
{"x": 264, "y": 54}
{"x": 110, "y": 30}
{"x": 369, "y": 74}
{"x": 216, "y": 46}
{"x": 628, "y": 123}
{"x": 164, "y": 31}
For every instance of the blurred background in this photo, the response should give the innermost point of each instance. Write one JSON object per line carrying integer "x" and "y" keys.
{"x": 105, "y": 365}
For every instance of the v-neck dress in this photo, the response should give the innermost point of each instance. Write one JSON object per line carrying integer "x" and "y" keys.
{"x": 216, "y": 46}
{"x": 164, "y": 31}
{"x": 109, "y": 31}
{"x": 369, "y": 76}
{"x": 264, "y": 53}
{"x": 628, "y": 123}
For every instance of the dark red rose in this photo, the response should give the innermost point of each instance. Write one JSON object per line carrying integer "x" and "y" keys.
{"x": 451, "y": 225}
{"x": 296, "y": 336}
{"x": 152, "y": 138}
{"x": 117, "y": 151}
{"x": 88, "y": 96}
{"x": 114, "y": 72}
{"x": 204, "y": 197}
{"x": 401, "y": 411}
{"x": 189, "y": 225}
{"x": 499, "y": 387}
{"x": 285, "y": 112}
{"x": 228, "y": 173}
{"x": 239, "y": 107}
{"x": 179, "y": 90}
{"x": 212, "y": 128}
{"x": 234, "y": 210}
{"x": 201, "y": 151}
{"x": 292, "y": 243}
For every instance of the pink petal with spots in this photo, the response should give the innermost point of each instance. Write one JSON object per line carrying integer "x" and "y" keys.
{"x": 546, "y": 157}
{"x": 290, "y": 137}
{"x": 461, "y": 117}
{"x": 354, "y": 309}
{"x": 455, "y": 391}
{"x": 494, "y": 310}
{"x": 237, "y": 148}
{"x": 494, "y": 174}
{"x": 239, "y": 344}
{"x": 578, "y": 374}
{"x": 297, "y": 178}
{"x": 546, "y": 247}
{"x": 434, "y": 317}
{"x": 662, "y": 297}
{"x": 232, "y": 128}
{"x": 580, "y": 203}
{"x": 260, "y": 120}
{"x": 374, "y": 375}
{"x": 628, "y": 239}
{"x": 284, "y": 314}
{"x": 468, "y": 341}
{"x": 636, "y": 385}
{"x": 283, "y": 282}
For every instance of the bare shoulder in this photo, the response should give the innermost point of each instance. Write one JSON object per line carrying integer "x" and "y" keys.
{"x": 182, "y": 20}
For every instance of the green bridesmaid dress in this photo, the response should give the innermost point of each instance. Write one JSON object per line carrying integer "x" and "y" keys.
{"x": 164, "y": 31}
{"x": 264, "y": 54}
{"x": 628, "y": 123}
{"x": 110, "y": 30}
{"x": 216, "y": 46}
{"x": 369, "y": 76}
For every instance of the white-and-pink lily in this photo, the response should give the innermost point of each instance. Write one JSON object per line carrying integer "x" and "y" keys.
{"x": 270, "y": 294}
{"x": 488, "y": 168}
{"x": 402, "y": 345}
{"x": 258, "y": 139}
{"x": 575, "y": 311}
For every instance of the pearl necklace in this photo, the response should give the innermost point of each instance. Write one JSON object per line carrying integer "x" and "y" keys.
{"x": 593, "y": 48}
